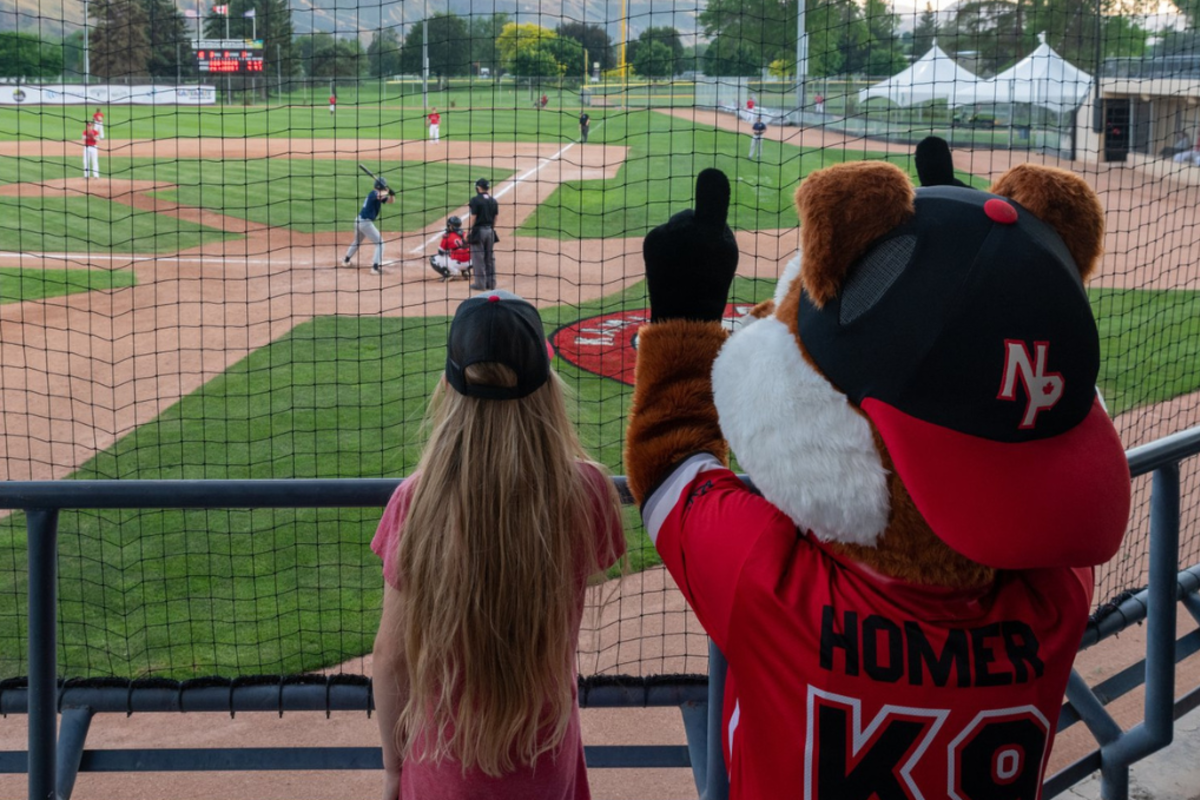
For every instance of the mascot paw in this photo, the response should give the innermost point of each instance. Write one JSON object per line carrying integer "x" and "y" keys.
{"x": 691, "y": 258}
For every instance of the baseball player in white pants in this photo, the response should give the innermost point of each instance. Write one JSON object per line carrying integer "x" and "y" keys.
{"x": 364, "y": 224}
{"x": 91, "y": 153}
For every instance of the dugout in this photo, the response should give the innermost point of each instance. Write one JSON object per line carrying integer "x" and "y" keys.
{"x": 1144, "y": 106}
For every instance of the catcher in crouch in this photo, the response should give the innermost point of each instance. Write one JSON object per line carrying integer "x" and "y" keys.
{"x": 453, "y": 257}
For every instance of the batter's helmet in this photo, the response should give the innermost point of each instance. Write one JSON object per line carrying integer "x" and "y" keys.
{"x": 381, "y": 183}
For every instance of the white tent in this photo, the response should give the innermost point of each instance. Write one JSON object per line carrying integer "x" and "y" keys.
{"x": 1043, "y": 78}
{"x": 934, "y": 76}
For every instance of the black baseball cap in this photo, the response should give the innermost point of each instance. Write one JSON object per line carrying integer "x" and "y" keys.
{"x": 497, "y": 327}
{"x": 482, "y": 183}
{"x": 966, "y": 336}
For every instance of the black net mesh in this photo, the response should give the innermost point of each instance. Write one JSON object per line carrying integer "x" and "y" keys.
{"x": 187, "y": 310}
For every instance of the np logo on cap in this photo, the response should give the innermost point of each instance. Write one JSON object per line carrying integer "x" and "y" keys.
{"x": 497, "y": 328}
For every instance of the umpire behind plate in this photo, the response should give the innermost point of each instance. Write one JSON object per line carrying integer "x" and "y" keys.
{"x": 484, "y": 210}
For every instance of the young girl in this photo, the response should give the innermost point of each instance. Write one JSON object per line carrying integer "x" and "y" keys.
{"x": 487, "y": 549}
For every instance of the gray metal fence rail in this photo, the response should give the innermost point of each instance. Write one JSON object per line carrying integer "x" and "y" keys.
{"x": 54, "y": 759}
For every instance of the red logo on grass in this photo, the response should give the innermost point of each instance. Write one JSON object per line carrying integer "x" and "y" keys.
{"x": 607, "y": 345}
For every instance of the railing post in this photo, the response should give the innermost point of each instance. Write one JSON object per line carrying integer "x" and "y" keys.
{"x": 71, "y": 740}
{"x": 1158, "y": 720}
{"x": 42, "y": 529}
{"x": 716, "y": 783}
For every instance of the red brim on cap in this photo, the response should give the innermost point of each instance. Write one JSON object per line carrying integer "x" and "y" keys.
{"x": 1056, "y": 502}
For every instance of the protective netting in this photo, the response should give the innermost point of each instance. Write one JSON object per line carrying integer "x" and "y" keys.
{"x": 186, "y": 311}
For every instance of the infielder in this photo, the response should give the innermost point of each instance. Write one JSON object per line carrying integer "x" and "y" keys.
{"x": 756, "y": 138}
{"x": 98, "y": 123}
{"x": 435, "y": 120}
{"x": 91, "y": 153}
{"x": 364, "y": 224}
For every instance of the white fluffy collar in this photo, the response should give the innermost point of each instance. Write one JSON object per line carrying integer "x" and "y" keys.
{"x": 808, "y": 452}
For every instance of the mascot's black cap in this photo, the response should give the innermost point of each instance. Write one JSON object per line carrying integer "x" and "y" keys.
{"x": 497, "y": 327}
{"x": 966, "y": 337}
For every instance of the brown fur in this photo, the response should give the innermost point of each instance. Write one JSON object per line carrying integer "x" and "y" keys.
{"x": 843, "y": 209}
{"x": 673, "y": 413}
{"x": 859, "y": 203}
{"x": 909, "y": 549}
{"x": 1065, "y": 202}
{"x": 763, "y": 310}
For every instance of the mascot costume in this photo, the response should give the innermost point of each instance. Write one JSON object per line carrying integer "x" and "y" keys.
{"x": 901, "y": 596}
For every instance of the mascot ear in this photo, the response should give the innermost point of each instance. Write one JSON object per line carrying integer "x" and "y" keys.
{"x": 843, "y": 210}
{"x": 1065, "y": 202}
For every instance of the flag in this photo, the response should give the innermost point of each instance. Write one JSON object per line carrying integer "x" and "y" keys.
{"x": 249, "y": 14}
{"x": 223, "y": 10}
{"x": 191, "y": 13}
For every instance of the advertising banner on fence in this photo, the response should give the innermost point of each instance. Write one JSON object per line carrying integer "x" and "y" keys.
{"x": 105, "y": 94}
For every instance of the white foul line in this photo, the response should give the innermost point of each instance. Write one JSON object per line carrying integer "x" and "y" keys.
{"x": 504, "y": 191}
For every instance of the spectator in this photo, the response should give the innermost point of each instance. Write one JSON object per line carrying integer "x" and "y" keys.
{"x": 484, "y": 581}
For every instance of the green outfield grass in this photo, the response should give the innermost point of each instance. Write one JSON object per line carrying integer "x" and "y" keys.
{"x": 658, "y": 178}
{"x": 1150, "y": 341}
{"x": 19, "y": 284}
{"x": 83, "y": 223}
{"x": 500, "y": 115}
{"x": 306, "y": 195}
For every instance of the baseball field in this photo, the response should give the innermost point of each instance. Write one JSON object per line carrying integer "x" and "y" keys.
{"x": 186, "y": 316}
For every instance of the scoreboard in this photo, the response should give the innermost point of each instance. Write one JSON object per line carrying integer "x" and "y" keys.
{"x": 225, "y": 57}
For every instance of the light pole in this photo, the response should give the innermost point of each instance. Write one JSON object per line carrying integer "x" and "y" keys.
{"x": 801, "y": 58}
{"x": 87, "y": 66}
{"x": 425, "y": 58}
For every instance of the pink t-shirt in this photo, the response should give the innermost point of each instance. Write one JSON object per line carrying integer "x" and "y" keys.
{"x": 557, "y": 776}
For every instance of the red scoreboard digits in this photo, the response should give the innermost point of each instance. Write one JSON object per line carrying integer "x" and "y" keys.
{"x": 229, "y": 61}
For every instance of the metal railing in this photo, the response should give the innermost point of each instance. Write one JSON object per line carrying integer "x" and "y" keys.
{"x": 53, "y": 760}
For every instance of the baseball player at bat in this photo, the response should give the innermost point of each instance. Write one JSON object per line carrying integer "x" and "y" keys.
{"x": 364, "y": 223}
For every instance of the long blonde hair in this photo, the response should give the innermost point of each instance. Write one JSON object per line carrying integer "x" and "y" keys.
{"x": 497, "y": 543}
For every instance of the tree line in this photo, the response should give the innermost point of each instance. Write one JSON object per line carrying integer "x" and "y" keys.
{"x": 738, "y": 38}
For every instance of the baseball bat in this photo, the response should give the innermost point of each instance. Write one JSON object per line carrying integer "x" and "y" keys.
{"x": 372, "y": 174}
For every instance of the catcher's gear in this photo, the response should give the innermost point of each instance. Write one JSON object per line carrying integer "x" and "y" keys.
{"x": 453, "y": 224}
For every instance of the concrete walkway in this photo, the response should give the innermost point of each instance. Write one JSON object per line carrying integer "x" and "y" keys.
{"x": 1170, "y": 774}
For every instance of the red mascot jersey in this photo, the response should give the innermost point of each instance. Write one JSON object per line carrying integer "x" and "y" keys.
{"x": 845, "y": 684}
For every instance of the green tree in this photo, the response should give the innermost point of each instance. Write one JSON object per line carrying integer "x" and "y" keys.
{"x": 534, "y": 62}
{"x": 665, "y": 35}
{"x": 72, "y": 47}
{"x": 272, "y": 24}
{"x": 881, "y": 53}
{"x": 119, "y": 42}
{"x": 763, "y": 29}
{"x": 654, "y": 59}
{"x": 383, "y": 53}
{"x": 568, "y": 54}
{"x": 448, "y": 51}
{"x": 483, "y": 30}
{"x": 994, "y": 29}
{"x": 24, "y": 55}
{"x": 171, "y": 51}
{"x": 516, "y": 37}
{"x": 595, "y": 41}
{"x": 730, "y": 57}
{"x": 924, "y": 33}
